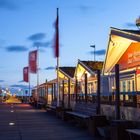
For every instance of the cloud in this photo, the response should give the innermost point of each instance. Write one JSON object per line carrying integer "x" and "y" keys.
{"x": 129, "y": 24}
{"x": 41, "y": 44}
{"x": 19, "y": 86}
{"x": 98, "y": 52}
{"x": 84, "y": 7}
{"x": 21, "y": 81}
{"x": 16, "y": 48}
{"x": 8, "y": 5}
{"x": 50, "y": 68}
{"x": 36, "y": 37}
{"x": 1, "y": 81}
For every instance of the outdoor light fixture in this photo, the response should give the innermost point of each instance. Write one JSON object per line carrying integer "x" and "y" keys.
{"x": 11, "y": 123}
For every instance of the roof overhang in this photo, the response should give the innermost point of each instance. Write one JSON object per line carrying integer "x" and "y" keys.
{"x": 119, "y": 41}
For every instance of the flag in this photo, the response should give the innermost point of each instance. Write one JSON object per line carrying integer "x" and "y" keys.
{"x": 33, "y": 61}
{"x": 26, "y": 74}
{"x": 56, "y": 42}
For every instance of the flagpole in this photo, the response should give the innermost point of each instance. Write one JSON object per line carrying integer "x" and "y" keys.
{"x": 37, "y": 74}
{"x": 57, "y": 55}
{"x": 29, "y": 84}
{"x": 58, "y": 94}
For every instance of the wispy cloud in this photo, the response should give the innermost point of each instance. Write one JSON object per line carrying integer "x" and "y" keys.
{"x": 98, "y": 52}
{"x": 19, "y": 86}
{"x": 130, "y": 24}
{"x": 21, "y": 81}
{"x": 16, "y": 48}
{"x": 41, "y": 44}
{"x": 8, "y": 5}
{"x": 1, "y": 81}
{"x": 50, "y": 68}
{"x": 84, "y": 7}
{"x": 36, "y": 37}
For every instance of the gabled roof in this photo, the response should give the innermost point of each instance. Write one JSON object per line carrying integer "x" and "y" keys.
{"x": 68, "y": 71}
{"x": 129, "y": 34}
{"x": 119, "y": 41}
{"x": 92, "y": 65}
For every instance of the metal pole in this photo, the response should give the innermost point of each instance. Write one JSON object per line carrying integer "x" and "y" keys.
{"x": 29, "y": 85}
{"x": 58, "y": 95}
{"x": 37, "y": 74}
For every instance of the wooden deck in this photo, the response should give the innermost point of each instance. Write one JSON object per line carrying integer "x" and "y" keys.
{"x": 33, "y": 124}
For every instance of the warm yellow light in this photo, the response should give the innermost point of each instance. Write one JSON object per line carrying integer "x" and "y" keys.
{"x": 11, "y": 123}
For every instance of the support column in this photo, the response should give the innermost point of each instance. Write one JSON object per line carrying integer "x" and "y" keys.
{"x": 52, "y": 93}
{"x": 63, "y": 86}
{"x": 117, "y": 80}
{"x": 76, "y": 90}
{"x": 85, "y": 87}
{"x": 69, "y": 93}
{"x": 98, "y": 92}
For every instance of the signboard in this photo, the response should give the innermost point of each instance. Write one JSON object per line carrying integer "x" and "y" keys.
{"x": 131, "y": 57}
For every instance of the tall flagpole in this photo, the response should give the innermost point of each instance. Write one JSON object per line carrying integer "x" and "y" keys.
{"x": 58, "y": 92}
{"x": 57, "y": 55}
{"x": 37, "y": 74}
{"x": 29, "y": 83}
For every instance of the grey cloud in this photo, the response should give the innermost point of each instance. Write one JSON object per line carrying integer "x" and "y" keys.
{"x": 36, "y": 37}
{"x": 16, "y": 48}
{"x": 129, "y": 24}
{"x": 85, "y": 7}
{"x": 19, "y": 86}
{"x": 98, "y": 52}
{"x": 41, "y": 44}
{"x": 1, "y": 81}
{"x": 21, "y": 81}
{"x": 50, "y": 68}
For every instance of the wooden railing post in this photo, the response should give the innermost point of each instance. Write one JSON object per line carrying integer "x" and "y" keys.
{"x": 98, "y": 92}
{"x": 85, "y": 87}
{"x": 117, "y": 80}
{"x": 76, "y": 89}
{"x": 52, "y": 92}
{"x": 69, "y": 93}
{"x": 63, "y": 86}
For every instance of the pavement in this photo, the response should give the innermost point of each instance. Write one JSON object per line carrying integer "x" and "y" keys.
{"x": 23, "y": 122}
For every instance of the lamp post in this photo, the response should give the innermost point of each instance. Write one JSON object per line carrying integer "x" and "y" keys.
{"x": 93, "y": 46}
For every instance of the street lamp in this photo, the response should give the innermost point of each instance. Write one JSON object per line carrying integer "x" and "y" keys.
{"x": 93, "y": 46}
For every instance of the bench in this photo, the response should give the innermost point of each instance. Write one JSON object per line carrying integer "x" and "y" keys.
{"x": 83, "y": 111}
{"x": 41, "y": 104}
{"x": 53, "y": 108}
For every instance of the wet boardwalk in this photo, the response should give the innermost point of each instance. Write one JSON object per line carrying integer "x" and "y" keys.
{"x": 32, "y": 124}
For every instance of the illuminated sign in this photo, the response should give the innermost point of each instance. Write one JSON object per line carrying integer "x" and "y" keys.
{"x": 131, "y": 57}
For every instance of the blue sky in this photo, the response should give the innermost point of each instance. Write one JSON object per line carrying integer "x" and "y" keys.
{"x": 82, "y": 23}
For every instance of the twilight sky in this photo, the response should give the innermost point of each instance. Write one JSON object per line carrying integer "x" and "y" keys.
{"x": 25, "y": 23}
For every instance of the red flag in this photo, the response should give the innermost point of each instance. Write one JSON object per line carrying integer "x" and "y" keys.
{"x": 33, "y": 61}
{"x": 56, "y": 43}
{"x": 26, "y": 74}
